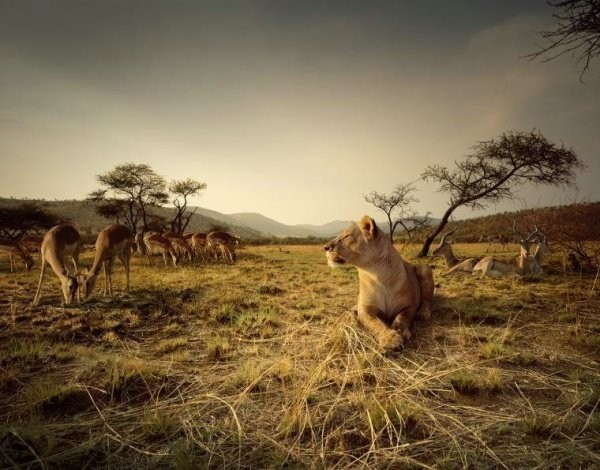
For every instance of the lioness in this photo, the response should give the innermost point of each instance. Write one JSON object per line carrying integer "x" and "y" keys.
{"x": 392, "y": 292}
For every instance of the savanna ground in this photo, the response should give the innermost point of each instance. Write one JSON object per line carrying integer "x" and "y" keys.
{"x": 262, "y": 365}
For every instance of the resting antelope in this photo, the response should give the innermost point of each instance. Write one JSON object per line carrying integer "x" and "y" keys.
{"x": 59, "y": 242}
{"x": 523, "y": 264}
{"x": 114, "y": 240}
{"x": 16, "y": 249}
{"x": 156, "y": 243}
{"x": 225, "y": 242}
{"x": 454, "y": 264}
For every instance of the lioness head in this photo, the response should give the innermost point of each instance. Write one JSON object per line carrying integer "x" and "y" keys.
{"x": 356, "y": 245}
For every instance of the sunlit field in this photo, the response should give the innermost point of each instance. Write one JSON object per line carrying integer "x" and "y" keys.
{"x": 261, "y": 364}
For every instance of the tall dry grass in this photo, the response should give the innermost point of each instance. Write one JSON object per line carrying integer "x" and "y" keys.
{"x": 262, "y": 365}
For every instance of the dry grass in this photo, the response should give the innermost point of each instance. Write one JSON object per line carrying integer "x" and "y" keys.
{"x": 261, "y": 365}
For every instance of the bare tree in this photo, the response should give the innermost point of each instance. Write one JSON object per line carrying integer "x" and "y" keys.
{"x": 577, "y": 33}
{"x": 396, "y": 205}
{"x": 181, "y": 190}
{"x": 491, "y": 173}
{"x": 129, "y": 191}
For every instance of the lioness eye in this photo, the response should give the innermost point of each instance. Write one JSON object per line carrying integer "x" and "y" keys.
{"x": 348, "y": 237}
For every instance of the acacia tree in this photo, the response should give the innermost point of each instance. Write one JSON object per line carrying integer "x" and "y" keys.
{"x": 181, "y": 190}
{"x": 496, "y": 167}
{"x": 129, "y": 191}
{"x": 577, "y": 33}
{"x": 396, "y": 205}
{"x": 16, "y": 221}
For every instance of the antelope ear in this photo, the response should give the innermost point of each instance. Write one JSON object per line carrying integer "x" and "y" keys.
{"x": 368, "y": 227}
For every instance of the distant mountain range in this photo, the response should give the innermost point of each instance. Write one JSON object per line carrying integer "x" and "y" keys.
{"x": 272, "y": 227}
{"x": 247, "y": 224}
{"x": 255, "y": 226}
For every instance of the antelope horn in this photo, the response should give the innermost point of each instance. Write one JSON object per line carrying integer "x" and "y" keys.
{"x": 448, "y": 233}
{"x": 521, "y": 236}
{"x": 533, "y": 234}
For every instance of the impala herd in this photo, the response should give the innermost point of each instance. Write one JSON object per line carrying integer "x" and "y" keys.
{"x": 62, "y": 244}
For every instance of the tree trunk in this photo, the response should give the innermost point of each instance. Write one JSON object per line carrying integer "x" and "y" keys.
{"x": 391, "y": 226}
{"x": 431, "y": 237}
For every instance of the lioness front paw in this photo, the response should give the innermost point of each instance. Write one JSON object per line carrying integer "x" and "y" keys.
{"x": 391, "y": 340}
{"x": 424, "y": 312}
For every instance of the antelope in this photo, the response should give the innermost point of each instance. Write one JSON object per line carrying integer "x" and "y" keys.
{"x": 59, "y": 242}
{"x": 454, "y": 264}
{"x": 500, "y": 239}
{"x": 542, "y": 249}
{"x": 16, "y": 249}
{"x": 140, "y": 247}
{"x": 114, "y": 240}
{"x": 225, "y": 242}
{"x": 522, "y": 264}
{"x": 180, "y": 244}
{"x": 31, "y": 243}
{"x": 198, "y": 242}
{"x": 156, "y": 243}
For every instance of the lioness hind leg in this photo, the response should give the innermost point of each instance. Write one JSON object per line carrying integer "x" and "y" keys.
{"x": 425, "y": 276}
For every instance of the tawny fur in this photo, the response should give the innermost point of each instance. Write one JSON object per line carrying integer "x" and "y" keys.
{"x": 113, "y": 241}
{"x": 60, "y": 242}
{"x": 156, "y": 243}
{"x": 224, "y": 242}
{"x": 392, "y": 292}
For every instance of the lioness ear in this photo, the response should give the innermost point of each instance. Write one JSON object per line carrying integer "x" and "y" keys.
{"x": 368, "y": 227}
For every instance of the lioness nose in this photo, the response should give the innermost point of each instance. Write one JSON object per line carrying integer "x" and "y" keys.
{"x": 327, "y": 247}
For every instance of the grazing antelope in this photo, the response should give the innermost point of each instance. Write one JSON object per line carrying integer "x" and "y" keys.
{"x": 114, "y": 240}
{"x": 59, "y": 242}
{"x": 31, "y": 243}
{"x": 16, "y": 249}
{"x": 156, "y": 243}
{"x": 139, "y": 244}
{"x": 225, "y": 242}
{"x": 454, "y": 264}
{"x": 198, "y": 243}
{"x": 180, "y": 244}
{"x": 499, "y": 239}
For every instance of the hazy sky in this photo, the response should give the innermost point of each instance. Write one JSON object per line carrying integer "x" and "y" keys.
{"x": 293, "y": 109}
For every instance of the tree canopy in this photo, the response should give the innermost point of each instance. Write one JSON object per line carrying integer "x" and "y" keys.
{"x": 16, "y": 221}
{"x": 496, "y": 167}
{"x": 182, "y": 190}
{"x": 577, "y": 32}
{"x": 396, "y": 206}
{"x": 129, "y": 190}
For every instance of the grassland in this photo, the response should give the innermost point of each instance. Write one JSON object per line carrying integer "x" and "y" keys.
{"x": 262, "y": 365}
